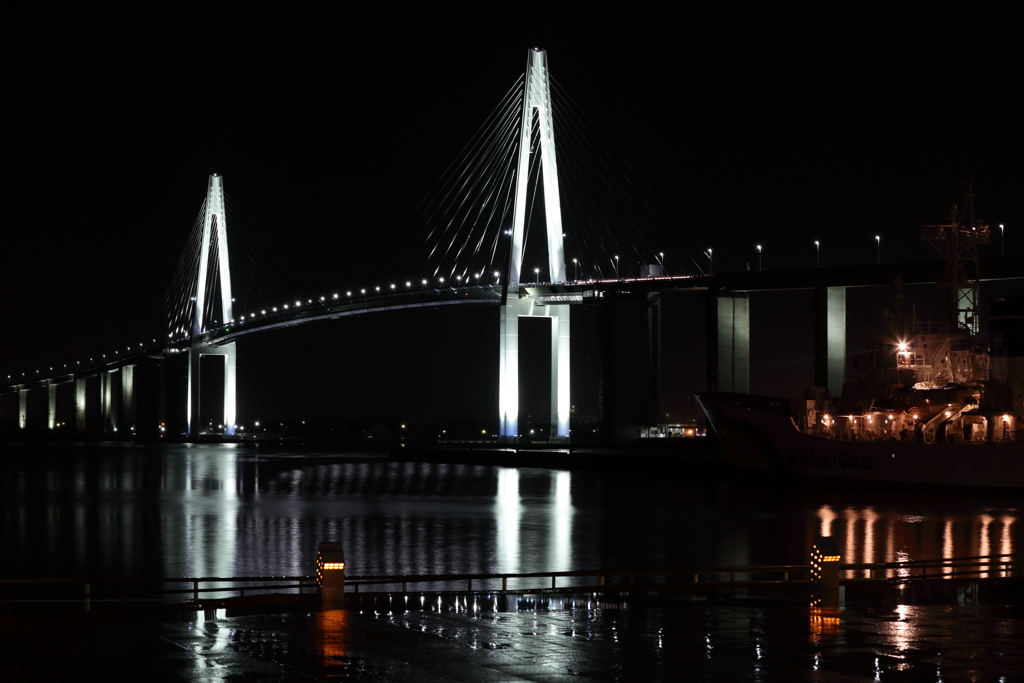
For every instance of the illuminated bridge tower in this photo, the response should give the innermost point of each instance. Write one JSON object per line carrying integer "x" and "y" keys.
{"x": 517, "y": 301}
{"x": 214, "y": 225}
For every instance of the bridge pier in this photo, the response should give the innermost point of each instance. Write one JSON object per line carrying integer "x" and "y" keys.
{"x": 829, "y": 337}
{"x": 727, "y": 342}
{"x": 227, "y": 351}
{"x": 51, "y": 404}
{"x": 108, "y": 408}
{"x": 513, "y": 307}
{"x": 127, "y": 397}
{"x": 80, "y": 384}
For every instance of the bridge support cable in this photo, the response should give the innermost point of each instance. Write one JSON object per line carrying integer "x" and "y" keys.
{"x": 471, "y": 201}
{"x": 608, "y": 205}
{"x": 180, "y": 296}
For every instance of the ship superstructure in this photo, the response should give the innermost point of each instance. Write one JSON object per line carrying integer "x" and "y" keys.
{"x": 941, "y": 404}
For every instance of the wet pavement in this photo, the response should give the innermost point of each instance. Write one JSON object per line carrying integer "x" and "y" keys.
{"x": 641, "y": 641}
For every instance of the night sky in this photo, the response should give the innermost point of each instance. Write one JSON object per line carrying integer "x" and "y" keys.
{"x": 748, "y": 127}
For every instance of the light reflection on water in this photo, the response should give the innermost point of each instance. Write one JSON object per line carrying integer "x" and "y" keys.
{"x": 909, "y": 537}
{"x": 208, "y": 510}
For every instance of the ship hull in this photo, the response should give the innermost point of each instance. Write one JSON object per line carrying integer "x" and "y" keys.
{"x": 756, "y": 440}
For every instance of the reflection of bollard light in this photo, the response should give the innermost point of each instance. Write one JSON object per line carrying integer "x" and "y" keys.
{"x": 330, "y": 572}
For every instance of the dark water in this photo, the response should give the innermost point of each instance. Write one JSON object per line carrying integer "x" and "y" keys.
{"x": 219, "y": 510}
{"x": 211, "y": 510}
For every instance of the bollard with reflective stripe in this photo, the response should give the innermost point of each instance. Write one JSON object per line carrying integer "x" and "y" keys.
{"x": 825, "y": 559}
{"x": 330, "y": 574}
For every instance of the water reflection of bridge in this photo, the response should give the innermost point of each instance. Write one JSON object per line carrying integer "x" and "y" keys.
{"x": 222, "y": 511}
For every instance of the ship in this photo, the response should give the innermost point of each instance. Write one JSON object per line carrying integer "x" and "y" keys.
{"x": 944, "y": 408}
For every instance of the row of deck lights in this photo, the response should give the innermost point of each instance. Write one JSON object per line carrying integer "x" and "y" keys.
{"x": 362, "y": 292}
{"x": 103, "y": 356}
{"x": 349, "y": 293}
{"x": 425, "y": 282}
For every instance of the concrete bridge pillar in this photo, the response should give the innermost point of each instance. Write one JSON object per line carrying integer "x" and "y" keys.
{"x": 108, "y": 409}
{"x": 560, "y": 361}
{"x": 22, "y": 407}
{"x": 51, "y": 405}
{"x": 127, "y": 398}
{"x": 727, "y": 345}
{"x": 230, "y": 381}
{"x": 80, "y": 404}
{"x": 830, "y": 337}
{"x": 508, "y": 371}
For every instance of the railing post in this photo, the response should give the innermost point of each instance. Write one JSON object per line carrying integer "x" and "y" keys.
{"x": 696, "y": 578}
{"x": 504, "y": 583}
{"x": 552, "y": 580}
{"x": 195, "y": 591}
{"x": 88, "y": 600}
{"x": 785, "y": 576}
{"x": 600, "y": 581}
{"x": 301, "y": 588}
{"x": 403, "y": 587}
{"x": 469, "y": 584}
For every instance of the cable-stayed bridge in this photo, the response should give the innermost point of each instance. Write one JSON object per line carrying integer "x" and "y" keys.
{"x": 481, "y": 223}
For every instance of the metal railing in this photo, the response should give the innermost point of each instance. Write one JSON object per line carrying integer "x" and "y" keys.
{"x": 713, "y": 577}
{"x": 124, "y": 595}
{"x": 723, "y": 577}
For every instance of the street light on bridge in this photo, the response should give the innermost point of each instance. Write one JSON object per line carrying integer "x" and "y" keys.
{"x": 616, "y": 267}
{"x": 878, "y": 241}
{"x": 575, "y": 270}
{"x": 759, "y": 257}
{"x": 1002, "y": 235}
{"x": 536, "y": 275}
{"x": 817, "y": 253}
